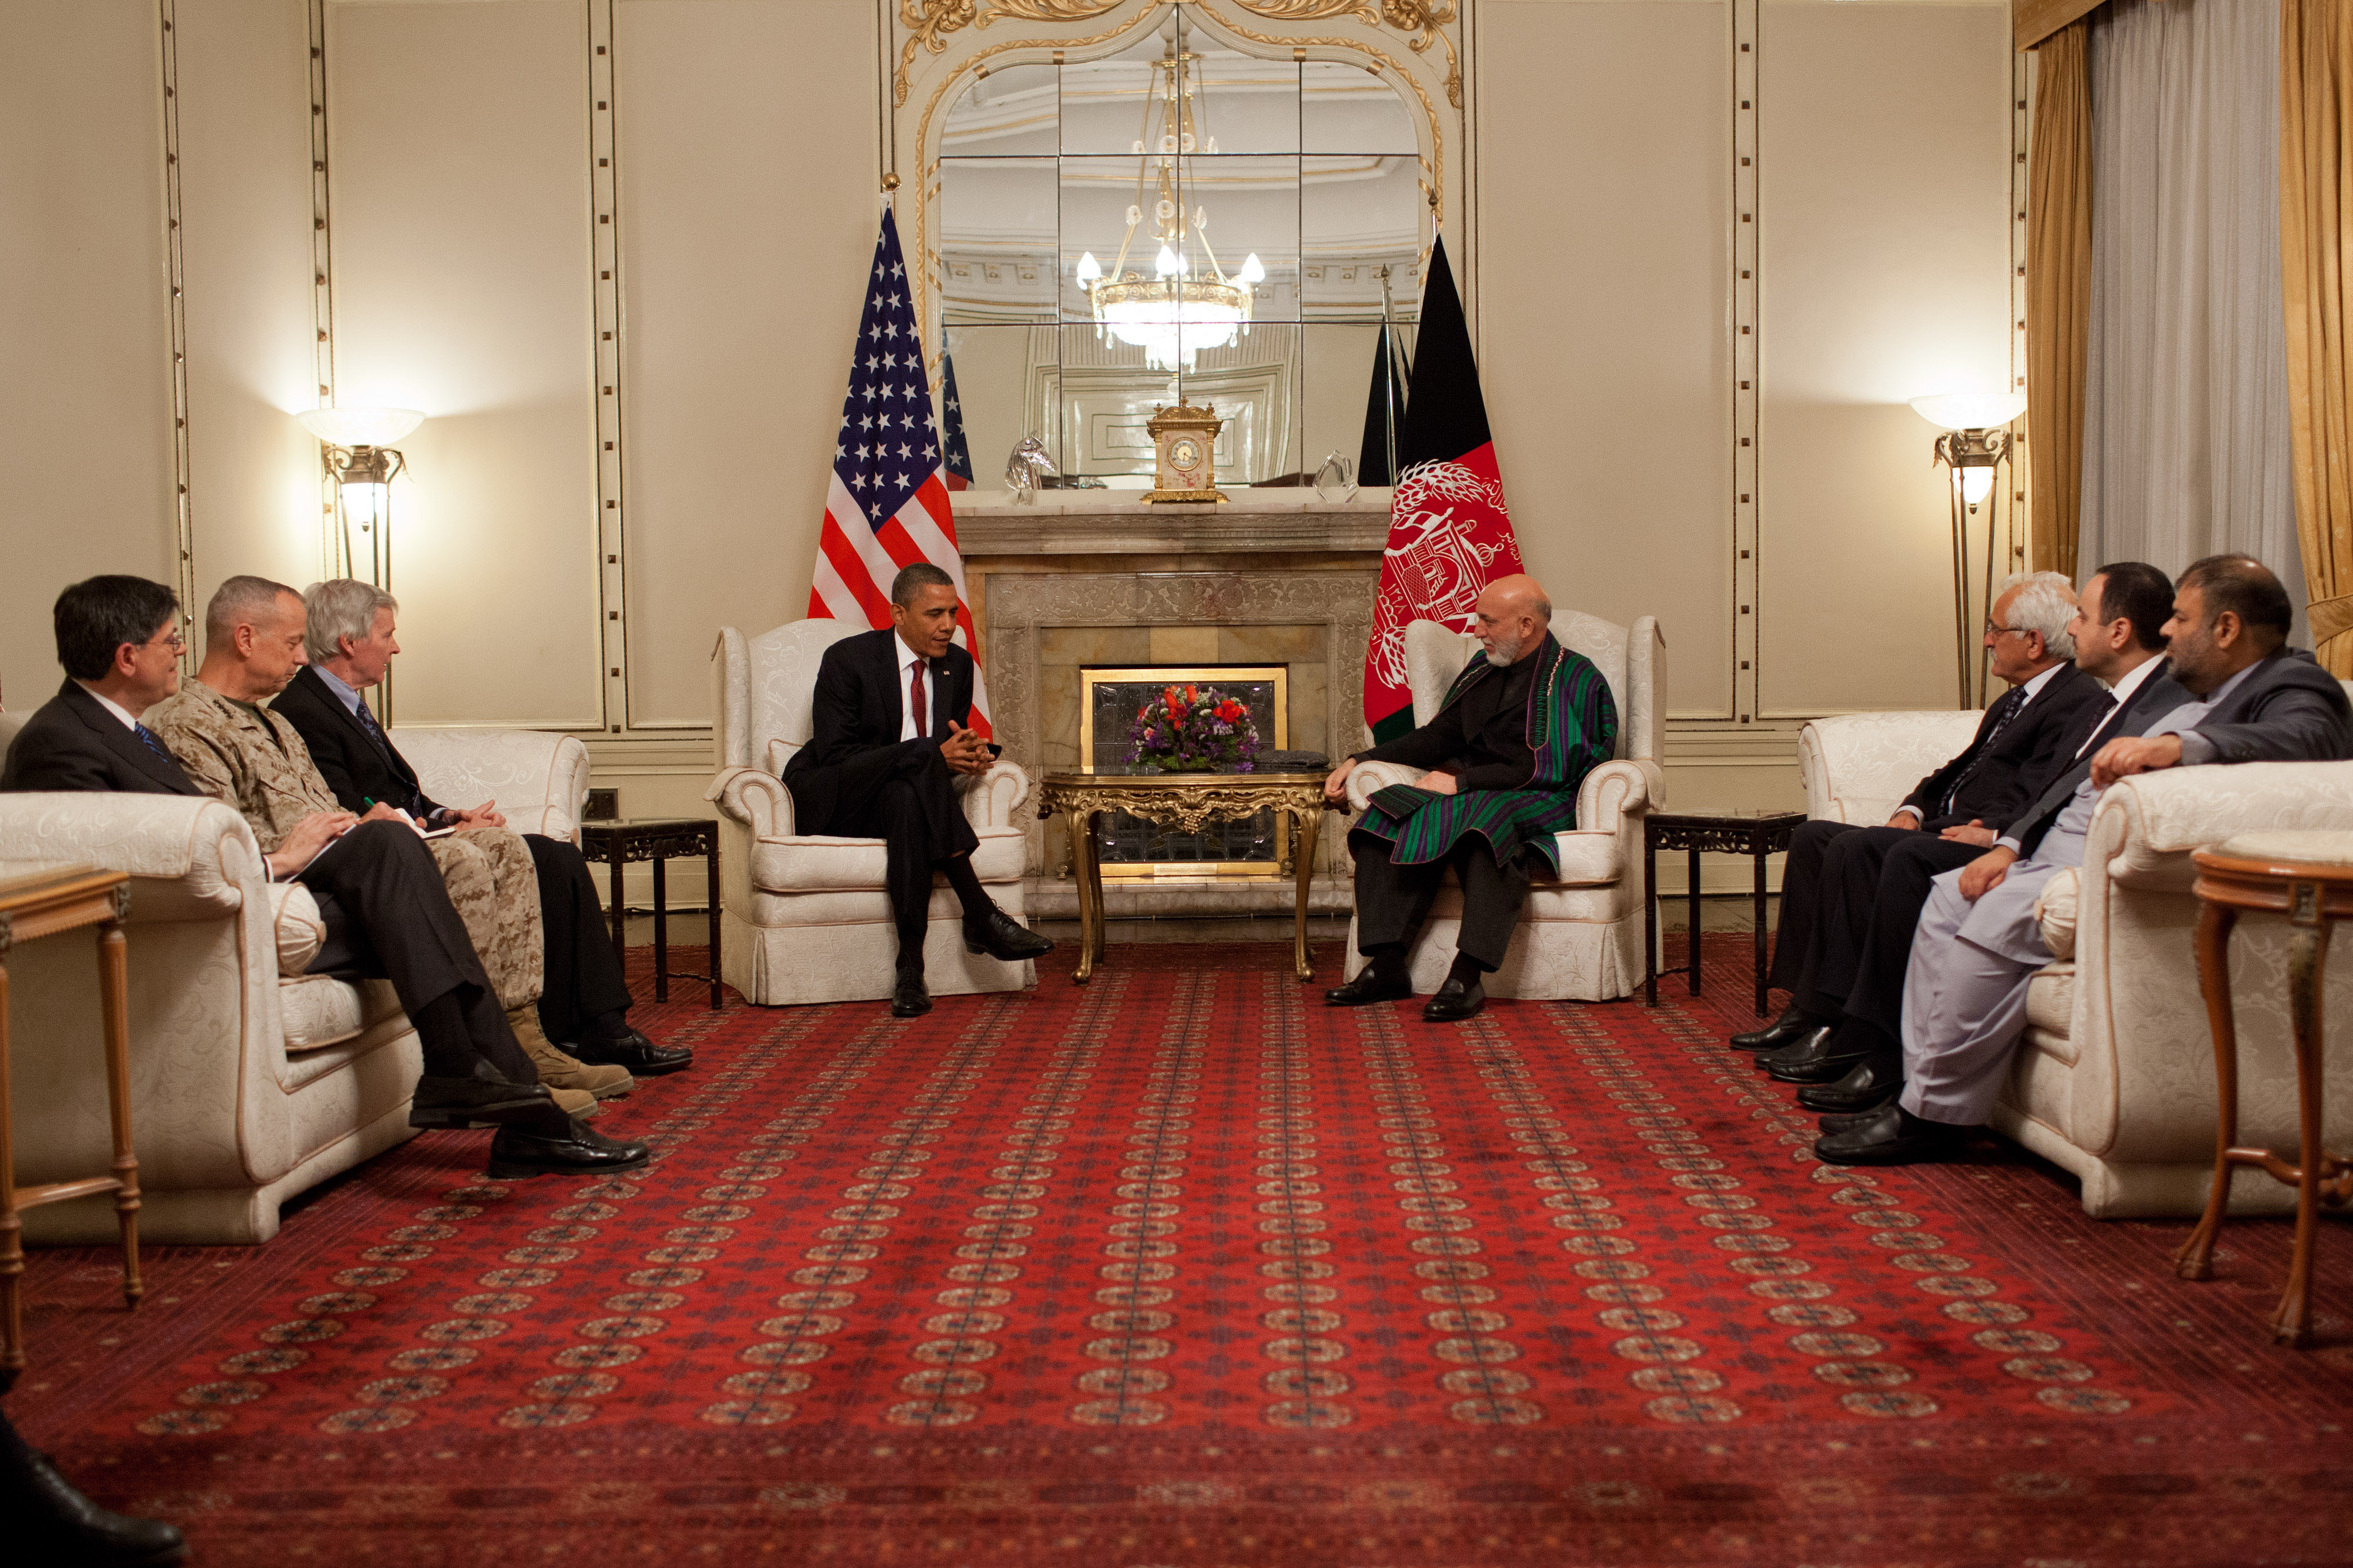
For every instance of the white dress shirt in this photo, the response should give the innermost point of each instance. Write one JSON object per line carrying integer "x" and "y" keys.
{"x": 2033, "y": 690}
{"x": 908, "y": 659}
{"x": 110, "y": 705}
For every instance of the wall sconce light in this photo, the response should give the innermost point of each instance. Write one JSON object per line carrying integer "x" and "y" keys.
{"x": 1975, "y": 444}
{"x": 356, "y": 451}
{"x": 355, "y": 447}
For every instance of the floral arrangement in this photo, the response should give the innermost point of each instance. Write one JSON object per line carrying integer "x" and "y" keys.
{"x": 1193, "y": 729}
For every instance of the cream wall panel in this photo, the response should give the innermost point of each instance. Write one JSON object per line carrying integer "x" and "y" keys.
{"x": 461, "y": 259}
{"x": 1604, "y": 262}
{"x": 245, "y": 194}
{"x": 86, "y": 403}
{"x": 749, "y": 201}
{"x": 1884, "y": 193}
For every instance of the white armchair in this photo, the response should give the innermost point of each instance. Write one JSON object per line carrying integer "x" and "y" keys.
{"x": 250, "y": 1080}
{"x": 807, "y": 916}
{"x": 2116, "y": 1080}
{"x": 1580, "y": 935}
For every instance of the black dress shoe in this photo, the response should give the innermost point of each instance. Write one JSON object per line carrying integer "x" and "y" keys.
{"x": 51, "y": 1525}
{"x": 480, "y": 1097}
{"x": 1371, "y": 984}
{"x": 1846, "y": 1120}
{"x": 578, "y": 1151}
{"x": 1870, "y": 1083}
{"x": 1001, "y": 936}
{"x": 1455, "y": 1001}
{"x": 908, "y": 997}
{"x": 1814, "y": 1057}
{"x": 1888, "y": 1136}
{"x": 634, "y": 1051}
{"x": 1780, "y": 1032}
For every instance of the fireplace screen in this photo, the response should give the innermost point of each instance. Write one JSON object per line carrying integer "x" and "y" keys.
{"x": 1125, "y": 727}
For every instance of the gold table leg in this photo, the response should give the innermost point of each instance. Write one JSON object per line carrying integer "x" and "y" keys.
{"x": 2195, "y": 1259}
{"x": 1089, "y": 877}
{"x": 1311, "y": 822}
{"x": 2308, "y": 957}
{"x": 113, "y": 990}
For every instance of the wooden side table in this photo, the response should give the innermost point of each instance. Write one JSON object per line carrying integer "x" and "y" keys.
{"x": 1188, "y": 800}
{"x": 1756, "y": 834}
{"x": 656, "y": 839}
{"x": 2307, "y": 877}
{"x": 68, "y": 898}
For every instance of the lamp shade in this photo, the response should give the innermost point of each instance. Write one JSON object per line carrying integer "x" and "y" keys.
{"x": 1970, "y": 410}
{"x": 360, "y": 426}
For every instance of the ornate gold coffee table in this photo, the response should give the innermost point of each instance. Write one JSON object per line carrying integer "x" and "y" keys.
{"x": 1187, "y": 801}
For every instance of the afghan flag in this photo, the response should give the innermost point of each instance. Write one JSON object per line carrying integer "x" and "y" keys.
{"x": 1449, "y": 534}
{"x": 1384, "y": 412}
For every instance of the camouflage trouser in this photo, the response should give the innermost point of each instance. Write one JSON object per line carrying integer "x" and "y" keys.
{"x": 491, "y": 881}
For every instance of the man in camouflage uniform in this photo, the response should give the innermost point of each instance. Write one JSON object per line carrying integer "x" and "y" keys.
{"x": 238, "y": 752}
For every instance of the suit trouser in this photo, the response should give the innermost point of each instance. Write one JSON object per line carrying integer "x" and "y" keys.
{"x": 1881, "y": 923}
{"x": 1965, "y": 992}
{"x": 1801, "y": 891}
{"x": 905, "y": 795}
{"x": 583, "y": 977}
{"x": 390, "y": 916}
{"x": 1392, "y": 900}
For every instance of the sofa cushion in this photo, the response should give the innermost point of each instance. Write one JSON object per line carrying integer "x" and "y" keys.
{"x": 2054, "y": 907}
{"x": 319, "y": 1010}
{"x": 814, "y": 863}
{"x": 300, "y": 929}
{"x": 2051, "y": 1008}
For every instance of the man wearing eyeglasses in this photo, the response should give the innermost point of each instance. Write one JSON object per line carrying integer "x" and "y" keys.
{"x": 121, "y": 641}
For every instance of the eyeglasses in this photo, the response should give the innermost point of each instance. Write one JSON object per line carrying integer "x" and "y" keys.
{"x": 1994, "y": 631}
{"x": 175, "y": 639}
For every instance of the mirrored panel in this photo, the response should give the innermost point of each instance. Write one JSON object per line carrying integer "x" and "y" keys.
{"x": 1361, "y": 227}
{"x": 1348, "y": 109}
{"x": 994, "y": 368}
{"x": 997, "y": 223}
{"x": 1104, "y": 102}
{"x": 1007, "y": 113}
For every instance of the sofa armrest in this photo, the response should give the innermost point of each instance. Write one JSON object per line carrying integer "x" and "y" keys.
{"x": 191, "y": 858}
{"x": 1617, "y": 790}
{"x": 1370, "y": 778}
{"x": 991, "y": 798}
{"x": 539, "y": 779}
{"x": 757, "y": 801}
{"x": 2149, "y": 823}
{"x": 1858, "y": 767}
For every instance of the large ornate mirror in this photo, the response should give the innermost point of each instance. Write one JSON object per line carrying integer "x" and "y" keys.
{"x": 1178, "y": 220}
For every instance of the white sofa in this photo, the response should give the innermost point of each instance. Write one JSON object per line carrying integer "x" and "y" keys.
{"x": 805, "y": 917}
{"x": 251, "y": 1081}
{"x": 2115, "y": 1083}
{"x": 1580, "y": 935}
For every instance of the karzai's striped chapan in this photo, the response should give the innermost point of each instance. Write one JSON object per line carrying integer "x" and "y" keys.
{"x": 1572, "y": 730}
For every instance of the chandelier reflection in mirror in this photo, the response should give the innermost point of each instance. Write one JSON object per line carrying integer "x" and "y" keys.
{"x": 1174, "y": 315}
{"x": 1178, "y": 220}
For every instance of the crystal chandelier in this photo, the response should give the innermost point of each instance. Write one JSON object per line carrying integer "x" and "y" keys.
{"x": 1174, "y": 315}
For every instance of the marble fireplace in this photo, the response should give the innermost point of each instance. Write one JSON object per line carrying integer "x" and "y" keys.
{"x": 1083, "y": 579}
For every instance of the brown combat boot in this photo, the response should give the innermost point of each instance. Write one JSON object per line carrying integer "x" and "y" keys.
{"x": 561, "y": 1072}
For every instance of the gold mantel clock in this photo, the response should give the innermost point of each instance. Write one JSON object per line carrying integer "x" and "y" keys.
{"x": 1182, "y": 438}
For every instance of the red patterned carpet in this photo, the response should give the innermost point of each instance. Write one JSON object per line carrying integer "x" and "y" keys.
{"x": 1183, "y": 1269}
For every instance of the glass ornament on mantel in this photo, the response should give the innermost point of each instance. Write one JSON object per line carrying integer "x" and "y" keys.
{"x": 1335, "y": 481}
{"x": 1027, "y": 463}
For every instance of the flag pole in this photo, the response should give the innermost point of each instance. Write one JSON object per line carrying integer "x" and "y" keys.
{"x": 1389, "y": 348}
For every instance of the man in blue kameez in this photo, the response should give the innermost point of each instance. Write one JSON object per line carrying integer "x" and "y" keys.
{"x": 1519, "y": 729}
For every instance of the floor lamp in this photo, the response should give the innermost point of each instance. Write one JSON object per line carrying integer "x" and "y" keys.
{"x": 1975, "y": 444}
{"x": 356, "y": 451}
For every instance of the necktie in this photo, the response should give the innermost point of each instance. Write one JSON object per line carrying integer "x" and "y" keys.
{"x": 153, "y": 743}
{"x": 915, "y": 704}
{"x": 2010, "y": 703}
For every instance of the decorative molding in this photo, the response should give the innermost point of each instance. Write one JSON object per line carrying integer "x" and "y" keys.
{"x": 604, "y": 292}
{"x": 332, "y": 546}
{"x": 929, "y": 23}
{"x": 184, "y": 531}
{"x": 1427, "y": 16}
{"x": 1748, "y": 359}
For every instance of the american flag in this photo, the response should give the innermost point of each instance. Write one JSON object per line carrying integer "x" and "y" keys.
{"x": 952, "y": 427}
{"x": 888, "y": 505}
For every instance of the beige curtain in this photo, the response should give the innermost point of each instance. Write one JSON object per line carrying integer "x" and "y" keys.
{"x": 2059, "y": 291}
{"x": 2316, "y": 224}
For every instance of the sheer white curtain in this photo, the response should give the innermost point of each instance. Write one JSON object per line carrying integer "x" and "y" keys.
{"x": 2185, "y": 440}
